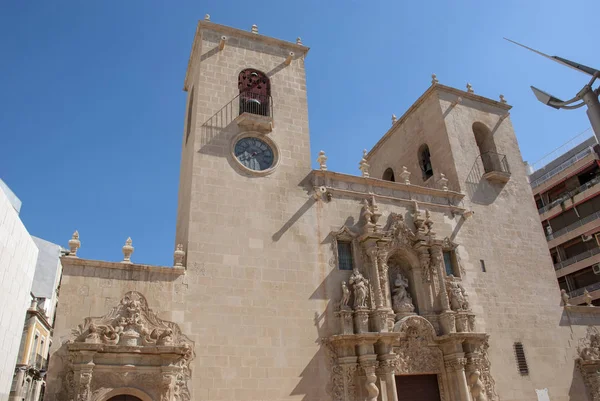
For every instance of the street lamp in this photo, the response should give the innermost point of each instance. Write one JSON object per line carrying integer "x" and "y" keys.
{"x": 586, "y": 96}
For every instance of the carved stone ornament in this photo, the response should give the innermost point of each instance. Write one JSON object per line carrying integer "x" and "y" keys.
{"x": 477, "y": 387}
{"x": 345, "y": 297}
{"x": 564, "y": 297}
{"x": 483, "y": 366}
{"x": 131, "y": 327}
{"x": 589, "y": 362}
{"x": 589, "y": 346}
{"x": 416, "y": 354}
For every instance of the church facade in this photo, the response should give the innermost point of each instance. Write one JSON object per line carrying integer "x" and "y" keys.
{"x": 425, "y": 278}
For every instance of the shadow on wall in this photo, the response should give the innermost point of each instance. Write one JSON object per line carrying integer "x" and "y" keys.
{"x": 480, "y": 190}
{"x": 315, "y": 379}
{"x": 578, "y": 391}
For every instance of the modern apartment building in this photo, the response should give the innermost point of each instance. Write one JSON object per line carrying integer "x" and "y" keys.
{"x": 566, "y": 192}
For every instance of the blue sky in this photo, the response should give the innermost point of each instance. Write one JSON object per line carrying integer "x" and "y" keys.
{"x": 92, "y": 106}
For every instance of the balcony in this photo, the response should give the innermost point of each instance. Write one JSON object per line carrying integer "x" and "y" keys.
{"x": 572, "y": 227}
{"x": 579, "y": 292}
{"x": 579, "y": 160}
{"x": 41, "y": 363}
{"x": 571, "y": 195}
{"x": 495, "y": 167}
{"x": 576, "y": 258}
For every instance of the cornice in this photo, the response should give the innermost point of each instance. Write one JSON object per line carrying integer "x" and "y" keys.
{"x": 204, "y": 25}
{"x": 70, "y": 261}
{"x": 436, "y": 88}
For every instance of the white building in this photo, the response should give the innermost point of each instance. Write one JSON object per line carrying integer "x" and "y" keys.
{"x": 18, "y": 256}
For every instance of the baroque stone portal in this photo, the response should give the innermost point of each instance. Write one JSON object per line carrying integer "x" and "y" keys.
{"x": 130, "y": 347}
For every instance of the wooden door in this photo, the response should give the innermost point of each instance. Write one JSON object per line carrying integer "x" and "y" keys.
{"x": 417, "y": 388}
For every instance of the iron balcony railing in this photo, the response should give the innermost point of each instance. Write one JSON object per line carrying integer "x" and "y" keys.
{"x": 569, "y": 195}
{"x": 573, "y": 226}
{"x": 245, "y": 102}
{"x": 491, "y": 162}
{"x": 576, "y": 258}
{"x": 578, "y": 292}
{"x": 561, "y": 167}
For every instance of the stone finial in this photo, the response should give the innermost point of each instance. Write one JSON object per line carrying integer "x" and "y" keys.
{"x": 207, "y": 17}
{"x": 127, "y": 251}
{"x": 564, "y": 297}
{"x": 254, "y": 29}
{"x": 363, "y": 165}
{"x": 470, "y": 88}
{"x": 434, "y": 79}
{"x": 394, "y": 119}
{"x": 587, "y": 297}
{"x": 443, "y": 181}
{"x": 178, "y": 255}
{"x": 74, "y": 244}
{"x": 405, "y": 175}
{"x": 502, "y": 99}
{"x": 299, "y": 41}
{"x": 321, "y": 160}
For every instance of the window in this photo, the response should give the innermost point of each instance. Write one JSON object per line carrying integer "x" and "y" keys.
{"x": 33, "y": 348}
{"x": 483, "y": 265}
{"x": 345, "y": 260}
{"x": 255, "y": 92}
{"x": 425, "y": 162}
{"x": 188, "y": 129}
{"x": 388, "y": 175}
{"x": 487, "y": 148}
{"x": 521, "y": 360}
{"x": 448, "y": 263}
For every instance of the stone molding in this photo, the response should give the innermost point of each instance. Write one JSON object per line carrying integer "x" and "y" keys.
{"x": 79, "y": 262}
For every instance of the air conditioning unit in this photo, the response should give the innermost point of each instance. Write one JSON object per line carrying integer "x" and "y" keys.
{"x": 587, "y": 238}
{"x": 596, "y": 268}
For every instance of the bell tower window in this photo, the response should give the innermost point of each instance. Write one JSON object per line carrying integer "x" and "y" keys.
{"x": 388, "y": 175}
{"x": 255, "y": 92}
{"x": 188, "y": 128}
{"x": 425, "y": 162}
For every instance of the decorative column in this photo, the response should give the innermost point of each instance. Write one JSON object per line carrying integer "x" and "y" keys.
{"x": 455, "y": 369}
{"x": 387, "y": 380}
{"x": 373, "y": 252}
{"x": 590, "y": 370}
{"x": 344, "y": 371}
{"x": 84, "y": 390}
{"x": 383, "y": 277}
{"x": 369, "y": 364}
{"x": 437, "y": 257}
{"x": 19, "y": 380}
{"x": 167, "y": 383}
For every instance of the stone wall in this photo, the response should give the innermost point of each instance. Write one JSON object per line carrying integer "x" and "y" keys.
{"x": 18, "y": 255}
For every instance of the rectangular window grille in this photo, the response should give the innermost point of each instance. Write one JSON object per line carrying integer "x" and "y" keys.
{"x": 483, "y": 266}
{"x": 521, "y": 360}
{"x": 345, "y": 261}
{"x": 448, "y": 263}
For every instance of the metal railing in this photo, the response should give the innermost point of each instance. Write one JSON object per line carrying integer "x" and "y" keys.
{"x": 491, "y": 161}
{"x": 245, "y": 102}
{"x": 570, "y": 194}
{"x": 578, "y": 292}
{"x": 573, "y": 226}
{"x": 576, "y": 258}
{"x": 561, "y": 167}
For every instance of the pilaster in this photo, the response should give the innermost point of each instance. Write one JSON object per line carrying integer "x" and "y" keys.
{"x": 455, "y": 369}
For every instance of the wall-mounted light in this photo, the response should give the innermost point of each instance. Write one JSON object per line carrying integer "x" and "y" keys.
{"x": 222, "y": 42}
{"x": 289, "y": 58}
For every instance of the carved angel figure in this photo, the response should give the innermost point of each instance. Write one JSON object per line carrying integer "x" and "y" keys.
{"x": 345, "y": 297}
{"x": 401, "y": 299}
{"x": 476, "y": 386}
{"x": 459, "y": 300}
{"x": 360, "y": 286}
{"x": 93, "y": 336}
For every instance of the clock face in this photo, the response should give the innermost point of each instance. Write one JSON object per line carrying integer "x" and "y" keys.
{"x": 254, "y": 153}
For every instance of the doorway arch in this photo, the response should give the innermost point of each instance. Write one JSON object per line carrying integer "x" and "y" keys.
{"x": 124, "y": 397}
{"x": 125, "y": 394}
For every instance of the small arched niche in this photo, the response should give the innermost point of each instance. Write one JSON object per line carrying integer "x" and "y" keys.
{"x": 425, "y": 162}
{"x": 487, "y": 147}
{"x": 388, "y": 175}
{"x": 255, "y": 92}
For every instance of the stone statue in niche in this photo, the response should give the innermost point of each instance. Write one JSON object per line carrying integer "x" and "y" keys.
{"x": 360, "y": 285}
{"x": 345, "y": 297}
{"x": 476, "y": 386}
{"x": 459, "y": 300}
{"x": 401, "y": 299}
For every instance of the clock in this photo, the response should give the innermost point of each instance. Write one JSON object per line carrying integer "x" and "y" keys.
{"x": 254, "y": 154}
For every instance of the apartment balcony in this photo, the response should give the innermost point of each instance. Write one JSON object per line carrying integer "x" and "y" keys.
{"x": 576, "y": 229}
{"x": 577, "y": 262}
{"x": 570, "y": 199}
{"x": 577, "y": 295}
{"x": 564, "y": 170}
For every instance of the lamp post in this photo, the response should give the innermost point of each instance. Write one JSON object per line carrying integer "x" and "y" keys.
{"x": 586, "y": 96}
